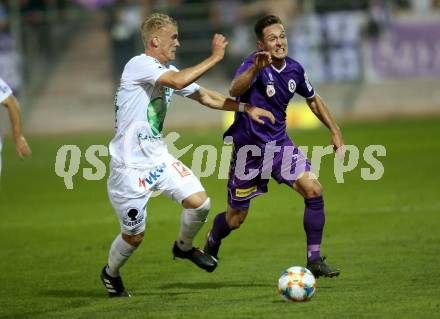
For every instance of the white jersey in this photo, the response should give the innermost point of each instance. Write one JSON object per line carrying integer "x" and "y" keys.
{"x": 140, "y": 107}
{"x": 5, "y": 91}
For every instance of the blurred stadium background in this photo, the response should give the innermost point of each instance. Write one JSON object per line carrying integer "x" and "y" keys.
{"x": 370, "y": 59}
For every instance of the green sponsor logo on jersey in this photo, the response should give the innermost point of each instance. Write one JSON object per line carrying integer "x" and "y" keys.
{"x": 157, "y": 109}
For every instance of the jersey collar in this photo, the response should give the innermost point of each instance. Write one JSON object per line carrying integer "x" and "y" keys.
{"x": 282, "y": 68}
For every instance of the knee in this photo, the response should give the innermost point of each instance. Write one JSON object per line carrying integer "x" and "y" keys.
{"x": 197, "y": 201}
{"x": 314, "y": 190}
{"x": 134, "y": 240}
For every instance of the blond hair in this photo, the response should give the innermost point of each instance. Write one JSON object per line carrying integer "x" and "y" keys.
{"x": 154, "y": 22}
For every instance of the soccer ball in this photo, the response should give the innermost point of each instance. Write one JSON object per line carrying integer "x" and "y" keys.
{"x": 296, "y": 284}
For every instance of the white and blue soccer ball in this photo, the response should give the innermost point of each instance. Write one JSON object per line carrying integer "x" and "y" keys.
{"x": 297, "y": 284}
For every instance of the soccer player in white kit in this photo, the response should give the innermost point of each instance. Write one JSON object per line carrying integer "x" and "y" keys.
{"x": 8, "y": 99}
{"x": 140, "y": 162}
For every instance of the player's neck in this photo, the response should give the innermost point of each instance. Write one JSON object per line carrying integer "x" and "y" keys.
{"x": 159, "y": 57}
{"x": 278, "y": 64}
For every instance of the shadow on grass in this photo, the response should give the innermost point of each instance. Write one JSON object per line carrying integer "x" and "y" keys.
{"x": 77, "y": 293}
{"x": 213, "y": 285}
{"x": 70, "y": 301}
{"x": 74, "y": 293}
{"x": 168, "y": 293}
{"x": 325, "y": 286}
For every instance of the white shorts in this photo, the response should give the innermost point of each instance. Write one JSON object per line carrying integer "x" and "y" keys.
{"x": 129, "y": 189}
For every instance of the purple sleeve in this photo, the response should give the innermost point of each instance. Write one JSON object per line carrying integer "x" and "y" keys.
{"x": 304, "y": 88}
{"x": 247, "y": 63}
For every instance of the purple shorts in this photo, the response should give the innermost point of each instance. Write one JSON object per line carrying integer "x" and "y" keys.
{"x": 252, "y": 166}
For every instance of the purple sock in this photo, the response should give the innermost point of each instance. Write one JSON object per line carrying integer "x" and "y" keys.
{"x": 220, "y": 229}
{"x": 314, "y": 220}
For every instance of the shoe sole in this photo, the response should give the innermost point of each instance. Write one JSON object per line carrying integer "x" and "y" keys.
{"x": 208, "y": 269}
{"x": 211, "y": 269}
{"x": 329, "y": 275}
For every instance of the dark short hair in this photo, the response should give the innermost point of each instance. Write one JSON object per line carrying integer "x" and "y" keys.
{"x": 265, "y": 22}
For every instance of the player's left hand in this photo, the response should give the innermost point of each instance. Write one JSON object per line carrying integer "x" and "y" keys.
{"x": 218, "y": 46}
{"x": 338, "y": 144}
{"x": 22, "y": 147}
{"x": 257, "y": 113}
{"x": 262, "y": 59}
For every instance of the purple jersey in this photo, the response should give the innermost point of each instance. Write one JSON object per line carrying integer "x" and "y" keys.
{"x": 271, "y": 89}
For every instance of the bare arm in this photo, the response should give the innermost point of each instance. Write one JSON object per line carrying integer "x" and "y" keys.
{"x": 319, "y": 108}
{"x": 242, "y": 82}
{"x": 21, "y": 145}
{"x": 179, "y": 80}
{"x": 215, "y": 100}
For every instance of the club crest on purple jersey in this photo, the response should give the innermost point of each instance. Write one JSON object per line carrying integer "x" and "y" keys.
{"x": 270, "y": 89}
{"x": 292, "y": 85}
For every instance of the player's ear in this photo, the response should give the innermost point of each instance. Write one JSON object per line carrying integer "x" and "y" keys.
{"x": 260, "y": 45}
{"x": 155, "y": 42}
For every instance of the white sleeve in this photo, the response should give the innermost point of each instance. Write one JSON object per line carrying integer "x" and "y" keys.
{"x": 144, "y": 69}
{"x": 5, "y": 91}
{"x": 187, "y": 90}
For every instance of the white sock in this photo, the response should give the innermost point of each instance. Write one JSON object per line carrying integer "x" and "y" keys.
{"x": 191, "y": 221}
{"x": 118, "y": 255}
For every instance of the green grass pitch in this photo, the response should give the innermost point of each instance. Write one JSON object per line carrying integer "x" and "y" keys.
{"x": 383, "y": 234}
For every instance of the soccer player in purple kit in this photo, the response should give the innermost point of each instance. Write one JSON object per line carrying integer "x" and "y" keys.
{"x": 269, "y": 78}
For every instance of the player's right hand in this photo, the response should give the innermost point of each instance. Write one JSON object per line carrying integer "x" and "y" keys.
{"x": 22, "y": 147}
{"x": 338, "y": 144}
{"x": 218, "y": 46}
{"x": 257, "y": 113}
{"x": 262, "y": 59}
